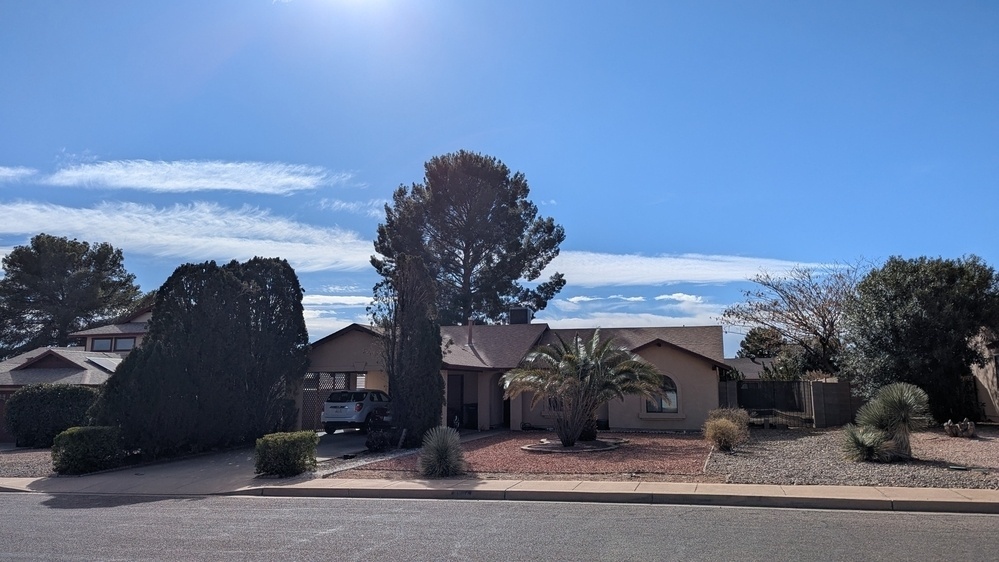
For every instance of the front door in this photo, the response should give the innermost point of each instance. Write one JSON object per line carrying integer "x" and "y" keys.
{"x": 455, "y": 398}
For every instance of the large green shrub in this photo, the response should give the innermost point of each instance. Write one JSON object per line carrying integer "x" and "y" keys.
{"x": 441, "y": 455}
{"x": 80, "y": 450}
{"x": 226, "y": 350}
{"x": 286, "y": 454}
{"x": 36, "y": 413}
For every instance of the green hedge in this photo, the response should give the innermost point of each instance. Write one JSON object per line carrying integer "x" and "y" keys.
{"x": 79, "y": 450}
{"x": 36, "y": 413}
{"x": 286, "y": 454}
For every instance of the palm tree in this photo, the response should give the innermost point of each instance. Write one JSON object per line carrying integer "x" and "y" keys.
{"x": 898, "y": 409}
{"x": 577, "y": 377}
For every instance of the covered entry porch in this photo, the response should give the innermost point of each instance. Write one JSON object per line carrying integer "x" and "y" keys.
{"x": 474, "y": 400}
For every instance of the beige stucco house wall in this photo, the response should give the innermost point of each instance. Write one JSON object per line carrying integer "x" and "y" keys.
{"x": 355, "y": 352}
{"x": 696, "y": 380}
{"x": 696, "y": 383}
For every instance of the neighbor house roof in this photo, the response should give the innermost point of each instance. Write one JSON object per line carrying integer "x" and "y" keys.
{"x": 125, "y": 326}
{"x": 750, "y": 368}
{"x": 128, "y": 328}
{"x": 63, "y": 365}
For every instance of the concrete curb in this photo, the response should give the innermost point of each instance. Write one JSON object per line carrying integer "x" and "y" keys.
{"x": 793, "y": 497}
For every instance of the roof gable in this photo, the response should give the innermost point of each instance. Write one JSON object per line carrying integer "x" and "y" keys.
{"x": 49, "y": 359}
{"x": 63, "y": 365}
{"x": 354, "y": 327}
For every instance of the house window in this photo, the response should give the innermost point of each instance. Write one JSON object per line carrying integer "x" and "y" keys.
{"x": 667, "y": 404}
{"x": 100, "y": 344}
{"x": 124, "y": 344}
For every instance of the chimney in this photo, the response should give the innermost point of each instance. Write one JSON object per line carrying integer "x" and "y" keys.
{"x": 521, "y": 315}
{"x": 470, "y": 324}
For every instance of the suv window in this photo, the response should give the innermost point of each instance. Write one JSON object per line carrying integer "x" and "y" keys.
{"x": 346, "y": 396}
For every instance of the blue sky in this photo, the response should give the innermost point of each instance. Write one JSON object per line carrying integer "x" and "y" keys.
{"x": 683, "y": 145}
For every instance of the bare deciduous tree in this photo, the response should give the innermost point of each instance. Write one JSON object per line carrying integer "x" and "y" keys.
{"x": 805, "y": 306}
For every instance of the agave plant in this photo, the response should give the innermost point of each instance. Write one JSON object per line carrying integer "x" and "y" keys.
{"x": 578, "y": 376}
{"x": 898, "y": 409}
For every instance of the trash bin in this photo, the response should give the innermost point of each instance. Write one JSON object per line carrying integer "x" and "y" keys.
{"x": 471, "y": 416}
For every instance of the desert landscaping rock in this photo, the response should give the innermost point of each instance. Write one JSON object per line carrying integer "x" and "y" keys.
{"x": 782, "y": 457}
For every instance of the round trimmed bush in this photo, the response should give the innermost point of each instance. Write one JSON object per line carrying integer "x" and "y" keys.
{"x": 36, "y": 413}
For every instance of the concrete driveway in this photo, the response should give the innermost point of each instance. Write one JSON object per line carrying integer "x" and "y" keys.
{"x": 210, "y": 473}
{"x": 336, "y": 445}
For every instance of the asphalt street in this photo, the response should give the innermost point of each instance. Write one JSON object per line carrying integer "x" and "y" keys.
{"x": 89, "y": 527}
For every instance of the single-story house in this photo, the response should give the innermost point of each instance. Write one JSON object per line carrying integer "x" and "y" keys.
{"x": 477, "y": 356}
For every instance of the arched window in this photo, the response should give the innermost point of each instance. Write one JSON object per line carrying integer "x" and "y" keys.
{"x": 667, "y": 404}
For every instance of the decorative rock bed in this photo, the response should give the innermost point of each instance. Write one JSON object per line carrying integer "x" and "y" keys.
{"x": 555, "y": 446}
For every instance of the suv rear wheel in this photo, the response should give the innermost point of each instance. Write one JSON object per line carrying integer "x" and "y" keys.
{"x": 329, "y": 428}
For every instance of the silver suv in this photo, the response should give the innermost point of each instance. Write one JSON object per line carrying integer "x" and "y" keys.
{"x": 352, "y": 408}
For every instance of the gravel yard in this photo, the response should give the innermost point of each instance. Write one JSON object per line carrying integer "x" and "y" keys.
{"x": 787, "y": 456}
{"x": 774, "y": 456}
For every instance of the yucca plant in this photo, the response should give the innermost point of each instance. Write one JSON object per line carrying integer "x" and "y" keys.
{"x": 441, "y": 455}
{"x": 864, "y": 444}
{"x": 898, "y": 409}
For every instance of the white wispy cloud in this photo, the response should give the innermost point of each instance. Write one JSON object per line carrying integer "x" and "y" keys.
{"x": 195, "y": 232}
{"x": 680, "y": 297}
{"x": 374, "y": 208}
{"x": 272, "y": 178}
{"x": 347, "y": 301}
{"x": 336, "y": 289}
{"x": 583, "y": 298}
{"x": 592, "y": 269}
{"x": 627, "y": 299}
{"x": 17, "y": 173}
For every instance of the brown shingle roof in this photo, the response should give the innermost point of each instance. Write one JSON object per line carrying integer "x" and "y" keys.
{"x": 129, "y": 328}
{"x": 502, "y": 347}
{"x": 492, "y": 347}
{"x": 702, "y": 340}
{"x": 64, "y": 365}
